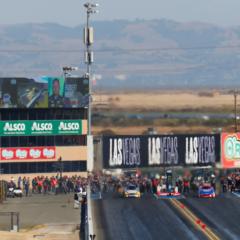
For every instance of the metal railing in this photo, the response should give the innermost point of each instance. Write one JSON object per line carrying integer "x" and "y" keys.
{"x": 14, "y": 225}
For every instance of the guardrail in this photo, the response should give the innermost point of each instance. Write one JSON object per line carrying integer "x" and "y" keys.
{"x": 13, "y": 227}
{"x": 86, "y": 225}
{"x": 90, "y": 229}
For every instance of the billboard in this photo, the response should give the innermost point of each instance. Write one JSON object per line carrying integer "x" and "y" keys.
{"x": 160, "y": 150}
{"x": 44, "y": 92}
{"x": 23, "y": 153}
{"x": 230, "y": 150}
{"x": 46, "y": 153}
{"x": 40, "y": 127}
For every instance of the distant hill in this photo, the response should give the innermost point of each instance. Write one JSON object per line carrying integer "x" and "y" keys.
{"x": 128, "y": 54}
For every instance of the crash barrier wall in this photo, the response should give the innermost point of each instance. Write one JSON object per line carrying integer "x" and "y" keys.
{"x": 86, "y": 225}
{"x": 12, "y": 222}
{"x": 83, "y": 218}
{"x": 160, "y": 150}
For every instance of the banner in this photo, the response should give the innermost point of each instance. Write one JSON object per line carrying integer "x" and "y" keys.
{"x": 40, "y": 127}
{"x": 44, "y": 92}
{"x": 23, "y": 153}
{"x": 160, "y": 150}
{"x": 230, "y": 150}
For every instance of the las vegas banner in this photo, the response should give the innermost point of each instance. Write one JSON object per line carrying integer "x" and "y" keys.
{"x": 160, "y": 150}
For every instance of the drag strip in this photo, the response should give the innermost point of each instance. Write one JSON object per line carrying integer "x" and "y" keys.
{"x": 221, "y": 214}
{"x": 146, "y": 218}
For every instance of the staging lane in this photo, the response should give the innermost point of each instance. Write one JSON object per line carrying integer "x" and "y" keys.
{"x": 146, "y": 218}
{"x": 222, "y": 214}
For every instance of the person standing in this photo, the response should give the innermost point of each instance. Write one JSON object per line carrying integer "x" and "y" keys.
{"x": 56, "y": 100}
{"x": 26, "y": 186}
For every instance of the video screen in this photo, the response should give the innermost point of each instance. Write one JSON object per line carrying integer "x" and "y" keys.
{"x": 56, "y": 92}
{"x": 76, "y": 92}
{"x": 32, "y": 93}
{"x": 8, "y": 93}
{"x": 44, "y": 92}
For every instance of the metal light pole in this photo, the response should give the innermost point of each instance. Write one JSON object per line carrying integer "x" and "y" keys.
{"x": 235, "y": 110}
{"x": 88, "y": 41}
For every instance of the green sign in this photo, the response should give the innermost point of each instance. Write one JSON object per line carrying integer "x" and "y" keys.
{"x": 40, "y": 128}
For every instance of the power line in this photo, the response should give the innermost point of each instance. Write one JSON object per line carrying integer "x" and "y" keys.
{"x": 116, "y": 49}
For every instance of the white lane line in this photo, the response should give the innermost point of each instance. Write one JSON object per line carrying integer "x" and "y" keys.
{"x": 236, "y": 194}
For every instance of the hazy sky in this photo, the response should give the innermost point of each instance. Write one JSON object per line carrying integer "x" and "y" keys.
{"x": 72, "y": 13}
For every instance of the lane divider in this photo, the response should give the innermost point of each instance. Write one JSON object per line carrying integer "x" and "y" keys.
{"x": 200, "y": 225}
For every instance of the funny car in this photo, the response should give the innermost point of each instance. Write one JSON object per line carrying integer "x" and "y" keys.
{"x": 206, "y": 191}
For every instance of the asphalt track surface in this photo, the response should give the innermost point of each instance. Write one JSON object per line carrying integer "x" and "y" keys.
{"x": 221, "y": 214}
{"x": 147, "y": 218}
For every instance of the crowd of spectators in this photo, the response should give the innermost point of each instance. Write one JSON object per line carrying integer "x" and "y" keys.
{"x": 230, "y": 182}
{"x": 49, "y": 185}
{"x": 104, "y": 183}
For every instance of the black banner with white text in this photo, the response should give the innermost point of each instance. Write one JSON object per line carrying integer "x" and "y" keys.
{"x": 160, "y": 150}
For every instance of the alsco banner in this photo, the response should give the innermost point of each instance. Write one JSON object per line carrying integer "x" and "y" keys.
{"x": 23, "y": 153}
{"x": 40, "y": 127}
{"x": 160, "y": 150}
{"x": 230, "y": 150}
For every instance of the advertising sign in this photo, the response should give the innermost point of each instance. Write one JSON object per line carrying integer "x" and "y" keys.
{"x": 230, "y": 150}
{"x": 160, "y": 150}
{"x": 40, "y": 127}
{"x": 23, "y": 153}
{"x": 44, "y": 92}
{"x": 201, "y": 150}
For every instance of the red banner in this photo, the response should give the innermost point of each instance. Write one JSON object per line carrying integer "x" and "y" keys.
{"x": 230, "y": 145}
{"x": 23, "y": 153}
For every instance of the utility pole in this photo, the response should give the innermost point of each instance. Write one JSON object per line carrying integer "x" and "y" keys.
{"x": 88, "y": 41}
{"x": 235, "y": 109}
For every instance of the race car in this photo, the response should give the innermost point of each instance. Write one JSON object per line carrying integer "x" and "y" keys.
{"x": 170, "y": 193}
{"x": 206, "y": 191}
{"x": 132, "y": 191}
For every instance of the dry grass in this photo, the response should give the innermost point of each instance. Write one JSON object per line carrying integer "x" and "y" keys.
{"x": 208, "y": 101}
{"x": 165, "y": 100}
{"x": 138, "y": 130}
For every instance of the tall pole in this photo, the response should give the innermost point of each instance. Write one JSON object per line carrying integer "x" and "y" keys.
{"x": 88, "y": 40}
{"x": 89, "y": 76}
{"x": 88, "y": 48}
{"x": 235, "y": 110}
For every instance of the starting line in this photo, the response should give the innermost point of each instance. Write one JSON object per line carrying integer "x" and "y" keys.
{"x": 96, "y": 196}
{"x": 169, "y": 197}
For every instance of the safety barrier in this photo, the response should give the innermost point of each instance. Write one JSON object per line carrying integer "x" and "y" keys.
{"x": 86, "y": 225}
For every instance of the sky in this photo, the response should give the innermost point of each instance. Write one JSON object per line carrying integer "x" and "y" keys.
{"x": 72, "y": 12}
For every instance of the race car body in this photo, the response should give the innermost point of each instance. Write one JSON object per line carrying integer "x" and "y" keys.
{"x": 206, "y": 191}
{"x": 174, "y": 194}
{"x": 132, "y": 191}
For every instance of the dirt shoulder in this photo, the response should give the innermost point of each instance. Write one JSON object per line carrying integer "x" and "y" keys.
{"x": 42, "y": 217}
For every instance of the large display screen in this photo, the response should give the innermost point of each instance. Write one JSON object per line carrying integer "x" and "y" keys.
{"x": 44, "y": 92}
